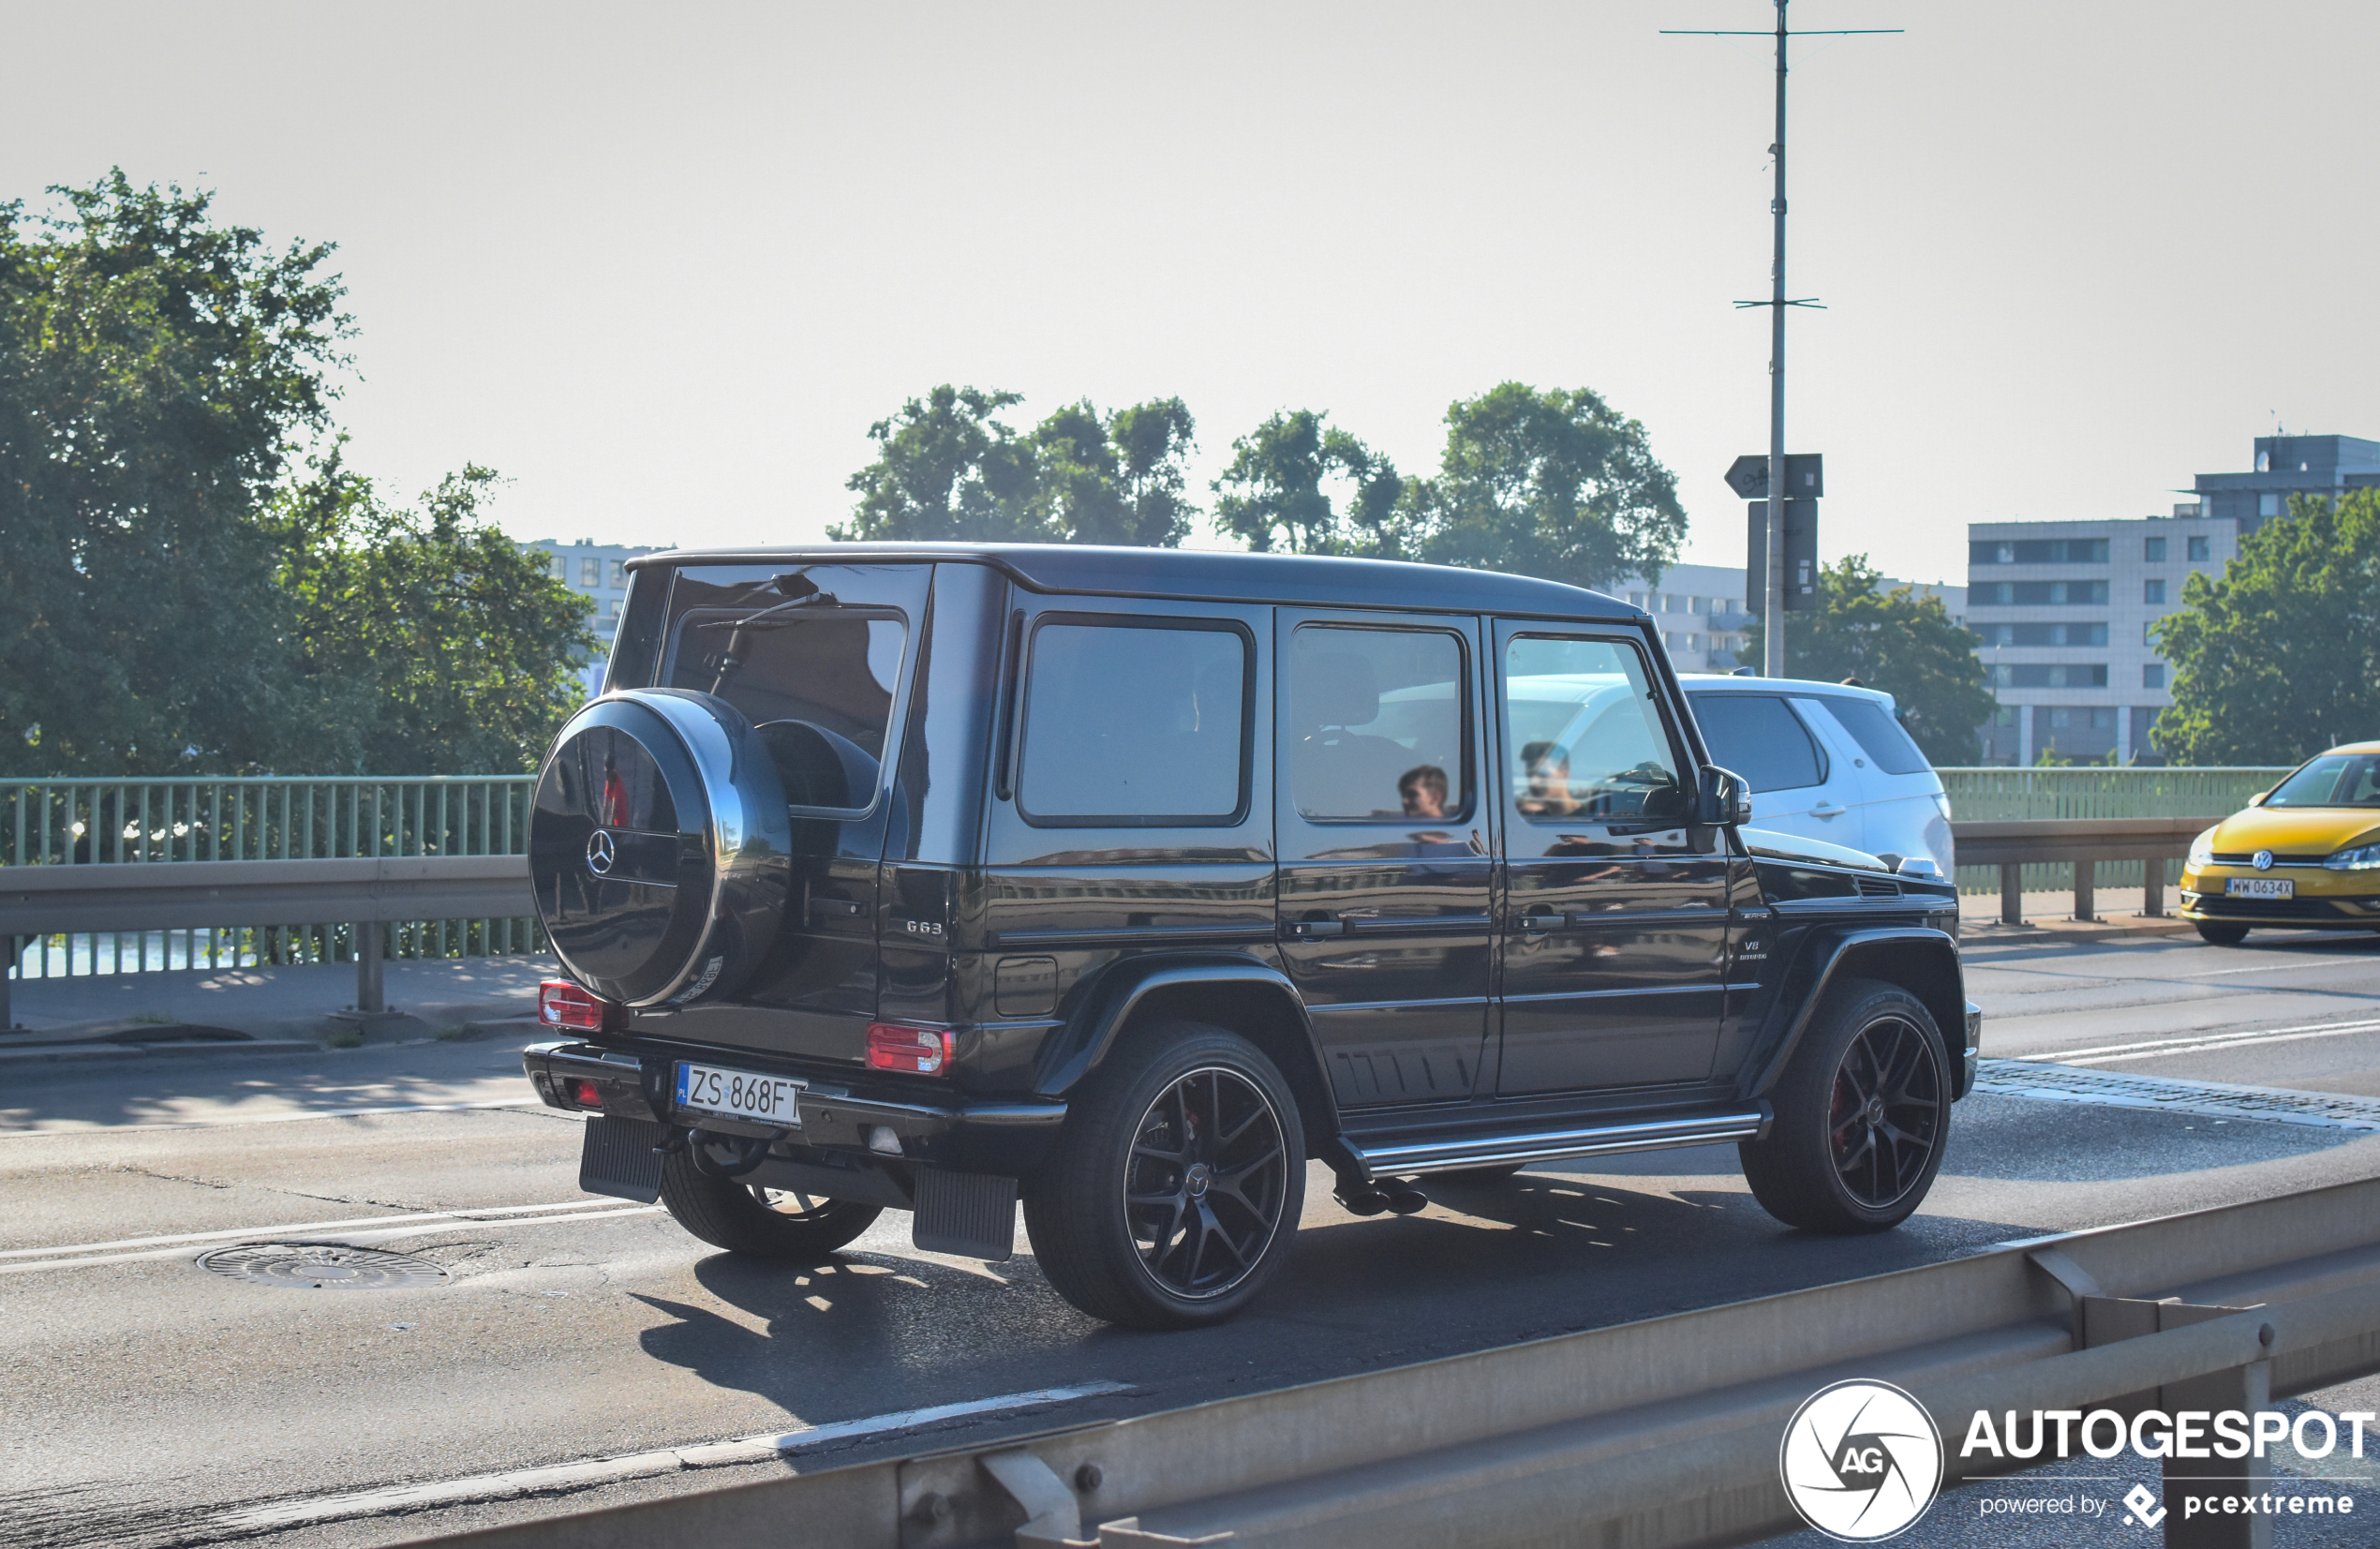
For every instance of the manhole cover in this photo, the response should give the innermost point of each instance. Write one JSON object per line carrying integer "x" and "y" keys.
{"x": 321, "y": 1266}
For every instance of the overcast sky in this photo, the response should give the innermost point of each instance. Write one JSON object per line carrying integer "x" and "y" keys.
{"x": 663, "y": 265}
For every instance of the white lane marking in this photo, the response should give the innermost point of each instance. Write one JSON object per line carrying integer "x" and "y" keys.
{"x": 2276, "y": 967}
{"x": 283, "y": 1234}
{"x": 2185, "y": 1042}
{"x": 634, "y": 1464}
{"x": 293, "y": 1118}
{"x": 465, "y": 1212}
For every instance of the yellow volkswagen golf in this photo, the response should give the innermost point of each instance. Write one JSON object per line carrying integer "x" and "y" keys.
{"x": 2304, "y": 856}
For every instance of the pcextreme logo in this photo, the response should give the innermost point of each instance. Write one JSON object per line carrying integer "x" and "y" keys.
{"x": 1861, "y": 1461}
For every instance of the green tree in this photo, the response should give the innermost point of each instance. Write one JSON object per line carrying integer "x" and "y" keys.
{"x": 1279, "y": 492}
{"x": 1552, "y": 483}
{"x": 947, "y": 468}
{"x": 2281, "y": 658}
{"x": 1899, "y": 641}
{"x": 156, "y": 371}
{"x": 426, "y": 640}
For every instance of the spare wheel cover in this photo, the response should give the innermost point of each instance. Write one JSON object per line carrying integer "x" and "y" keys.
{"x": 659, "y": 848}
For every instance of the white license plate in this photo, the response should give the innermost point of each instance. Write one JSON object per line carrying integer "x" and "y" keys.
{"x": 2259, "y": 887}
{"x": 740, "y": 1095}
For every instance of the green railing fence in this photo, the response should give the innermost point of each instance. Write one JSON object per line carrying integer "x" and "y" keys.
{"x": 159, "y": 822}
{"x": 1983, "y": 794}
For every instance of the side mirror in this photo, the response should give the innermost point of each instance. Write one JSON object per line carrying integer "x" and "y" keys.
{"x": 1721, "y": 796}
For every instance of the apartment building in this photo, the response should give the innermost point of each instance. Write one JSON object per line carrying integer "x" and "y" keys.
{"x": 599, "y": 572}
{"x": 1704, "y": 622}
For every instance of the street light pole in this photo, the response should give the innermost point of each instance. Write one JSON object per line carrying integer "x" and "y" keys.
{"x": 1772, "y": 601}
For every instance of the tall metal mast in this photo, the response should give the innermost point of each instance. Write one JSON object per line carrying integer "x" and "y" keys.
{"x": 1773, "y": 598}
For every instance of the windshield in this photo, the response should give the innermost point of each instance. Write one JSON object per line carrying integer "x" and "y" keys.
{"x": 2334, "y": 779}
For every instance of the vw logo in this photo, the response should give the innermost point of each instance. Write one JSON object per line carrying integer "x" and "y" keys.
{"x": 2264, "y": 860}
{"x": 599, "y": 854}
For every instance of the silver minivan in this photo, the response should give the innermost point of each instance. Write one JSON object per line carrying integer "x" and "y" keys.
{"x": 1825, "y": 761}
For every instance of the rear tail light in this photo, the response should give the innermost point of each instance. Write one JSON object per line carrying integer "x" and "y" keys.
{"x": 914, "y": 1050}
{"x": 562, "y": 1004}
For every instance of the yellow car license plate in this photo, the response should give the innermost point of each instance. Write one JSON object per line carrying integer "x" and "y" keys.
{"x": 2259, "y": 887}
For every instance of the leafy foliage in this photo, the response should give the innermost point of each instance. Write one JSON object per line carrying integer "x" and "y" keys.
{"x": 1274, "y": 496}
{"x": 1899, "y": 641}
{"x": 153, "y": 367}
{"x": 2281, "y": 658}
{"x": 426, "y": 641}
{"x": 948, "y": 470}
{"x": 1553, "y": 483}
{"x": 171, "y": 602}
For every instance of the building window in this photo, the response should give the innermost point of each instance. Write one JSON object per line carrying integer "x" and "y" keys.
{"x": 2149, "y": 633}
{"x": 620, "y": 573}
{"x": 590, "y": 573}
{"x": 1669, "y": 602}
{"x": 2153, "y": 550}
{"x": 1693, "y": 605}
{"x": 2044, "y": 634}
{"x": 1636, "y": 599}
{"x": 561, "y": 569}
{"x": 2038, "y": 551}
{"x": 1693, "y": 642}
{"x": 2152, "y": 591}
{"x": 2049, "y": 675}
{"x": 2005, "y": 594}
{"x": 2267, "y": 505}
{"x": 2199, "y": 546}
{"x": 2153, "y": 675}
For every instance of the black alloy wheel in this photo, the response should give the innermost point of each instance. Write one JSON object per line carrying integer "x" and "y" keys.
{"x": 1173, "y": 1193}
{"x": 1885, "y": 1122}
{"x": 1204, "y": 1188}
{"x": 776, "y": 1225}
{"x": 1861, "y": 1115}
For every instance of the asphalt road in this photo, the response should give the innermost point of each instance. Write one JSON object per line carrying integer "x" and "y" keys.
{"x": 144, "y": 1400}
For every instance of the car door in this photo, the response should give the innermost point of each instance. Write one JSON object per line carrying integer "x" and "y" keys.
{"x": 1617, "y": 908}
{"x": 1385, "y": 870}
{"x": 1764, "y": 738}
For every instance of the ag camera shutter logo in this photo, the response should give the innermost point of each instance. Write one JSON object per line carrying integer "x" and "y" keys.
{"x": 1861, "y": 1461}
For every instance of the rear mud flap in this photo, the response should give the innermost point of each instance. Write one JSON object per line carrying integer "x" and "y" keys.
{"x": 617, "y": 1158}
{"x": 971, "y": 1215}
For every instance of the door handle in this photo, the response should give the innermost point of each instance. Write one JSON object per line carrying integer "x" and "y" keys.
{"x": 1312, "y": 929}
{"x": 1827, "y": 809}
{"x": 1539, "y": 924}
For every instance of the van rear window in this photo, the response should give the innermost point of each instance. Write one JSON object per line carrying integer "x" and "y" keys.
{"x": 1878, "y": 733}
{"x": 1128, "y": 724}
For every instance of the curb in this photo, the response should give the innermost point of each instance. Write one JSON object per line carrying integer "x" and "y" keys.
{"x": 64, "y": 1053}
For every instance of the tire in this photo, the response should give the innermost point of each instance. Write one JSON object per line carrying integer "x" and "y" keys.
{"x": 766, "y": 1223}
{"x": 1862, "y": 1114}
{"x": 1478, "y": 1177}
{"x": 1150, "y": 1213}
{"x": 2221, "y": 935}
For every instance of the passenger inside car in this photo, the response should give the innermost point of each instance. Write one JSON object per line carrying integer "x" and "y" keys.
{"x": 1423, "y": 789}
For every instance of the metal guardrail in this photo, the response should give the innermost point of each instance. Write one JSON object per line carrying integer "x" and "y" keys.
{"x": 1656, "y": 1434}
{"x": 2082, "y": 844}
{"x": 206, "y": 819}
{"x": 364, "y": 893}
{"x": 2007, "y": 795}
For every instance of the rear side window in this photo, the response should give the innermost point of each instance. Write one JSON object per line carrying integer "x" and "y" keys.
{"x": 1378, "y": 722}
{"x": 1131, "y": 724}
{"x": 1759, "y": 737}
{"x": 1878, "y": 733}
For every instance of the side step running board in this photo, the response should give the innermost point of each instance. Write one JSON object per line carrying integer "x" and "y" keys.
{"x": 1389, "y": 1161}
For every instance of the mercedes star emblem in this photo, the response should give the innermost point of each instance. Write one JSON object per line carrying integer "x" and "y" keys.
{"x": 599, "y": 854}
{"x": 2264, "y": 860}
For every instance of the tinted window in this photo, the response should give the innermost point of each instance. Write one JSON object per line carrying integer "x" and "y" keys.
{"x": 1609, "y": 759}
{"x": 1878, "y": 734}
{"x": 1133, "y": 723}
{"x": 1760, "y": 737}
{"x": 2334, "y": 779}
{"x": 1376, "y": 721}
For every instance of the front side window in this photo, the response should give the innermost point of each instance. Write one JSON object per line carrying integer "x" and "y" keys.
{"x": 1378, "y": 724}
{"x": 1759, "y": 737}
{"x": 1584, "y": 739}
{"x": 1132, "y": 724}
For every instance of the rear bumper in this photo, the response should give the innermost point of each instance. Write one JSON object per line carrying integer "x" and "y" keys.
{"x": 951, "y": 1131}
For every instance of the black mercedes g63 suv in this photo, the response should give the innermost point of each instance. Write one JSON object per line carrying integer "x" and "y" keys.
{"x": 1126, "y": 882}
